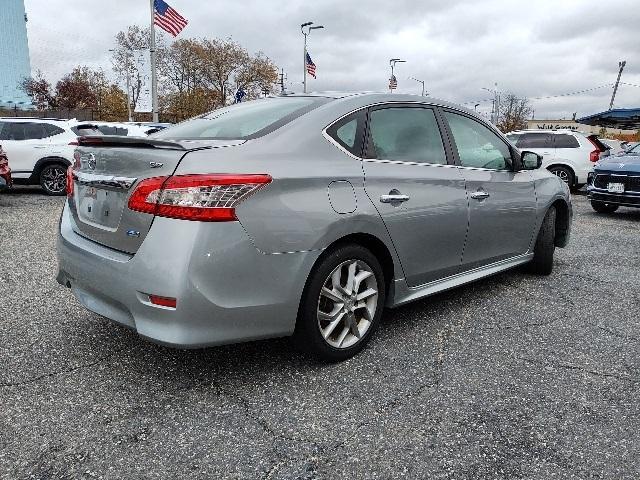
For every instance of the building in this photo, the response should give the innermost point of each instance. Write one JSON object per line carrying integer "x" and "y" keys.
{"x": 570, "y": 125}
{"x": 14, "y": 54}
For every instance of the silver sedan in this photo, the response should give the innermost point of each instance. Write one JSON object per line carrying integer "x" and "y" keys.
{"x": 301, "y": 215}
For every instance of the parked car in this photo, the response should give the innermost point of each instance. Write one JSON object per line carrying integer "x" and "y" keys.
{"x": 615, "y": 182}
{"x": 40, "y": 150}
{"x": 114, "y": 128}
{"x": 566, "y": 153}
{"x": 5, "y": 171}
{"x": 151, "y": 127}
{"x": 631, "y": 147}
{"x": 614, "y": 146}
{"x": 303, "y": 216}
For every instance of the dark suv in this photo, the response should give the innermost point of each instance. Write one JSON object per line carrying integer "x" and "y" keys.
{"x": 615, "y": 182}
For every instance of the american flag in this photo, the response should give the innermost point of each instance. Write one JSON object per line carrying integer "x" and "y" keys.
{"x": 311, "y": 67}
{"x": 167, "y": 18}
{"x": 393, "y": 82}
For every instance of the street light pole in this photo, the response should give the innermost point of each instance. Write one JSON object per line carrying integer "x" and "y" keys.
{"x": 419, "y": 81}
{"x": 304, "y": 55}
{"x": 495, "y": 110}
{"x": 392, "y": 64}
{"x": 615, "y": 89}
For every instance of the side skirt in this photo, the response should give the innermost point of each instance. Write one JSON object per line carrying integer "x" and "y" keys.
{"x": 404, "y": 294}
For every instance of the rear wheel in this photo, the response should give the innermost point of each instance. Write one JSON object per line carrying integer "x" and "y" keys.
{"x": 602, "y": 207}
{"x": 542, "y": 262}
{"x": 53, "y": 178}
{"x": 565, "y": 174}
{"x": 342, "y": 304}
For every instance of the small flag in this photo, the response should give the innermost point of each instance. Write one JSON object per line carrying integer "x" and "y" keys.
{"x": 393, "y": 82}
{"x": 311, "y": 67}
{"x": 167, "y": 18}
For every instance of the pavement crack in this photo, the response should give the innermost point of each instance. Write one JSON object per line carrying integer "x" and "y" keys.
{"x": 571, "y": 366}
{"x": 63, "y": 371}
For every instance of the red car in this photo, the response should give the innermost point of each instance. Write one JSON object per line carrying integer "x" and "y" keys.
{"x": 5, "y": 171}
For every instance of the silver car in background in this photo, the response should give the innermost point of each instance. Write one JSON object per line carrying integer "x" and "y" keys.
{"x": 301, "y": 215}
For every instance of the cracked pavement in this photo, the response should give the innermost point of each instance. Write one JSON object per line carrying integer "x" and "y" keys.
{"x": 515, "y": 376}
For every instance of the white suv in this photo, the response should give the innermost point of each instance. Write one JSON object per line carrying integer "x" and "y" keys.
{"x": 568, "y": 154}
{"x": 39, "y": 150}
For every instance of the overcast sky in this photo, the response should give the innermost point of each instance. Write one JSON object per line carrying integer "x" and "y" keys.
{"x": 535, "y": 49}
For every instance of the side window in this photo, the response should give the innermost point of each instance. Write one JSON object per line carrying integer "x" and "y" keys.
{"x": 566, "y": 141}
{"x": 34, "y": 131}
{"x": 535, "y": 140}
{"x": 407, "y": 134}
{"x": 477, "y": 145}
{"x": 349, "y": 132}
{"x": 52, "y": 130}
{"x": 13, "y": 131}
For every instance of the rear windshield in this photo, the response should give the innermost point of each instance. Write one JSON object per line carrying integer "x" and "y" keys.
{"x": 85, "y": 130}
{"x": 243, "y": 121}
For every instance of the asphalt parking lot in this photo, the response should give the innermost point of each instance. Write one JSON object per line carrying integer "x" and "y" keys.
{"x": 516, "y": 376}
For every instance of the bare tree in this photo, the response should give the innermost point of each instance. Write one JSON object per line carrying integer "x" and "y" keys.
{"x": 39, "y": 90}
{"x": 514, "y": 112}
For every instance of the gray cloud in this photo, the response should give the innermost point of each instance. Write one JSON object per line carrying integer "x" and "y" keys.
{"x": 533, "y": 49}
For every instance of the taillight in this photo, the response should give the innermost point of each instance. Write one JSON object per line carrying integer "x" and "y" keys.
{"x": 205, "y": 198}
{"x": 74, "y": 142}
{"x": 163, "y": 301}
{"x": 70, "y": 182}
{"x": 594, "y": 156}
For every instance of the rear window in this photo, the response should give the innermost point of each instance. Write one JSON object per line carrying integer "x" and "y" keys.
{"x": 86, "y": 130}
{"x": 566, "y": 141}
{"x": 535, "y": 140}
{"x": 113, "y": 130}
{"x": 243, "y": 121}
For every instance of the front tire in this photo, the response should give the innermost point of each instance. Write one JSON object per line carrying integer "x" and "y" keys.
{"x": 53, "y": 179}
{"x": 341, "y": 305}
{"x": 602, "y": 207}
{"x": 542, "y": 262}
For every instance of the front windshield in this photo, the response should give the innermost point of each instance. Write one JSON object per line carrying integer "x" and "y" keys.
{"x": 243, "y": 121}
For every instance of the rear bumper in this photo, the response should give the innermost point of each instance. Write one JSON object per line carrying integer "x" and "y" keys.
{"x": 622, "y": 199}
{"x": 226, "y": 290}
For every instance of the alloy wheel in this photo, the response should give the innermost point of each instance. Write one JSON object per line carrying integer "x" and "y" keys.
{"x": 347, "y": 304}
{"x": 54, "y": 179}
{"x": 561, "y": 174}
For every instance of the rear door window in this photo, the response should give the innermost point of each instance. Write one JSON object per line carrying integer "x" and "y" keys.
{"x": 566, "y": 141}
{"x": 409, "y": 134}
{"x": 535, "y": 140}
{"x": 34, "y": 131}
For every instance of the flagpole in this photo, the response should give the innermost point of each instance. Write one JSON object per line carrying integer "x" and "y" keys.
{"x": 304, "y": 64}
{"x": 154, "y": 75}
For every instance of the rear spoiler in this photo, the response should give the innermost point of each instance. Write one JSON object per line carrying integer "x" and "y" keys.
{"x": 127, "y": 142}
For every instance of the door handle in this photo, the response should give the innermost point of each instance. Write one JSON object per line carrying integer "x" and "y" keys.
{"x": 480, "y": 195}
{"x": 393, "y": 197}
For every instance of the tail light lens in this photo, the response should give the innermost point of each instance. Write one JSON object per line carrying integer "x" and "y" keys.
{"x": 70, "y": 182}
{"x": 205, "y": 198}
{"x": 594, "y": 156}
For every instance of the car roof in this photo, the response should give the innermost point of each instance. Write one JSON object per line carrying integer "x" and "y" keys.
{"x": 36, "y": 120}
{"x": 558, "y": 131}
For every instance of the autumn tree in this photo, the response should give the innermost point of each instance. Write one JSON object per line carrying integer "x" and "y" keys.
{"x": 113, "y": 107}
{"x": 39, "y": 90}
{"x": 258, "y": 75}
{"x": 76, "y": 90}
{"x": 514, "y": 112}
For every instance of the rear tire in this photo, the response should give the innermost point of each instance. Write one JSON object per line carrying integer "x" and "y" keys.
{"x": 565, "y": 174}
{"x": 602, "y": 207}
{"x": 341, "y": 305}
{"x": 542, "y": 262}
{"x": 53, "y": 179}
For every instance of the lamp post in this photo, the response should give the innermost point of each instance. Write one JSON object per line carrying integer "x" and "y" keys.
{"x": 392, "y": 64}
{"x": 495, "y": 111}
{"x": 126, "y": 66}
{"x": 309, "y": 27}
{"x": 419, "y": 81}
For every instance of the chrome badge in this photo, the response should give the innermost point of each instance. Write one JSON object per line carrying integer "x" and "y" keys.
{"x": 90, "y": 160}
{"x": 155, "y": 164}
{"x": 133, "y": 233}
{"x": 621, "y": 165}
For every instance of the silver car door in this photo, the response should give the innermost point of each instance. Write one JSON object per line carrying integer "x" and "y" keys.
{"x": 502, "y": 202}
{"x": 418, "y": 193}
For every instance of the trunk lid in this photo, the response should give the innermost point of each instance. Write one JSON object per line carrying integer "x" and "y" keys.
{"x": 107, "y": 171}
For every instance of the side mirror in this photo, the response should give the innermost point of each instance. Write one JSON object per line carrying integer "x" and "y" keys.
{"x": 531, "y": 160}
